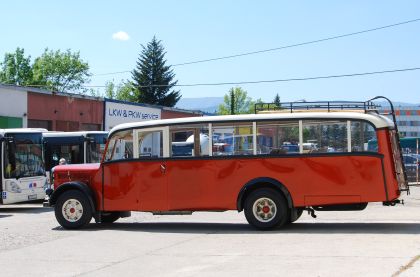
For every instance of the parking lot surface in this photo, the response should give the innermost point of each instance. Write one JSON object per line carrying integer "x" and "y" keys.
{"x": 379, "y": 241}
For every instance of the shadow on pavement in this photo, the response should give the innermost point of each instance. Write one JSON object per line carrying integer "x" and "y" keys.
{"x": 5, "y": 215}
{"x": 238, "y": 228}
{"x": 24, "y": 210}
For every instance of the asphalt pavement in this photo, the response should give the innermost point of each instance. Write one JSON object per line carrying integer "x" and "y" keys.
{"x": 379, "y": 241}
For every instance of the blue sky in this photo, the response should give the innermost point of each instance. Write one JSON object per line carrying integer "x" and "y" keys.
{"x": 195, "y": 30}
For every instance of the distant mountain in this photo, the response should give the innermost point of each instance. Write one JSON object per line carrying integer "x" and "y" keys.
{"x": 205, "y": 104}
{"x": 397, "y": 104}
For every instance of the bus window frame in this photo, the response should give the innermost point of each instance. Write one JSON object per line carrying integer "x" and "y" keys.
{"x": 253, "y": 123}
{"x": 165, "y": 142}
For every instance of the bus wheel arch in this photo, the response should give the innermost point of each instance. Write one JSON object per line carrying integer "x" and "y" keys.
{"x": 83, "y": 188}
{"x": 259, "y": 183}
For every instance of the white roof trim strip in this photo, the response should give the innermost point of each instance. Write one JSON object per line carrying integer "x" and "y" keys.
{"x": 379, "y": 121}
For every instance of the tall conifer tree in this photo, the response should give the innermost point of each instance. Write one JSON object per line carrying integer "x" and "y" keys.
{"x": 152, "y": 78}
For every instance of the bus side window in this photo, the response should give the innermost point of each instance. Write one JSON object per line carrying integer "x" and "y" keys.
{"x": 233, "y": 139}
{"x": 278, "y": 138}
{"x": 120, "y": 146}
{"x": 150, "y": 144}
{"x": 321, "y": 136}
{"x": 363, "y": 137}
{"x": 189, "y": 140}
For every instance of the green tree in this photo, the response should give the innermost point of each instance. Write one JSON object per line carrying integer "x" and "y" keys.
{"x": 16, "y": 68}
{"x": 252, "y": 104}
{"x": 236, "y": 102}
{"x": 123, "y": 91}
{"x": 94, "y": 92}
{"x": 61, "y": 71}
{"x": 152, "y": 78}
{"x": 110, "y": 90}
{"x": 277, "y": 100}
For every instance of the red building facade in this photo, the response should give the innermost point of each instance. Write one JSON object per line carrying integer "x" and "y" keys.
{"x": 74, "y": 112}
{"x": 64, "y": 112}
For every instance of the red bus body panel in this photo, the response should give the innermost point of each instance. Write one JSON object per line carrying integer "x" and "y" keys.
{"x": 214, "y": 183}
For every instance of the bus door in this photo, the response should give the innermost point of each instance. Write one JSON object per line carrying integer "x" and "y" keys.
{"x": 190, "y": 173}
{"x": 135, "y": 171}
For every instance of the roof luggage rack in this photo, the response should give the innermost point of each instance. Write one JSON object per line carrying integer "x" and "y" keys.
{"x": 325, "y": 106}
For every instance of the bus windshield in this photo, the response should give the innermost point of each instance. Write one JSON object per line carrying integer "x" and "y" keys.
{"x": 23, "y": 156}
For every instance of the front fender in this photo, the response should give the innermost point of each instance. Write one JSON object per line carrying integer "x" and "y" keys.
{"x": 77, "y": 186}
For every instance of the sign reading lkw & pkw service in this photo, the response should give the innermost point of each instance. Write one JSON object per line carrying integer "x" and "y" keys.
{"x": 117, "y": 112}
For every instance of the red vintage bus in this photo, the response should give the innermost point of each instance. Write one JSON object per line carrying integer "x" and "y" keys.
{"x": 272, "y": 166}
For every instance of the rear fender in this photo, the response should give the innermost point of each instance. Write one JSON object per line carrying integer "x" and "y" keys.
{"x": 260, "y": 183}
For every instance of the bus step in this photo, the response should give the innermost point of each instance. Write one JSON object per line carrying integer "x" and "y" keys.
{"x": 172, "y": 213}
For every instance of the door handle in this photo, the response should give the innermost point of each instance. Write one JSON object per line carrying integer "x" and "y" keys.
{"x": 162, "y": 168}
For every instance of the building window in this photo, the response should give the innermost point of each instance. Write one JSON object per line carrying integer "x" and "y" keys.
{"x": 90, "y": 127}
{"x": 10, "y": 122}
{"x": 45, "y": 124}
{"x": 67, "y": 126}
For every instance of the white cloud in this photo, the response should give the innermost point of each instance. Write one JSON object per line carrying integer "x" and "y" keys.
{"x": 120, "y": 36}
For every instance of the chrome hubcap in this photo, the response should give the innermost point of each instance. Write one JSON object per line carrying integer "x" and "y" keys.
{"x": 264, "y": 209}
{"x": 72, "y": 210}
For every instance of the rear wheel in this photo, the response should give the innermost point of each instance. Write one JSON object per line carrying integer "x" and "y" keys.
{"x": 266, "y": 209}
{"x": 295, "y": 214}
{"x": 73, "y": 209}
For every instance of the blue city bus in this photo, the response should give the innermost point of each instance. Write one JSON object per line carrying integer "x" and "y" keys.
{"x": 73, "y": 148}
{"x": 409, "y": 145}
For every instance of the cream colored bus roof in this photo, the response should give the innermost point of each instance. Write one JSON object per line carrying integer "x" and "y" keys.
{"x": 379, "y": 121}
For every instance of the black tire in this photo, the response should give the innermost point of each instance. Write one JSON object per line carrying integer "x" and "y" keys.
{"x": 73, "y": 199}
{"x": 277, "y": 208}
{"x": 295, "y": 214}
{"x": 110, "y": 217}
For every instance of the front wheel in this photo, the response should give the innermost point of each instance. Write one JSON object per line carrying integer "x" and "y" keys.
{"x": 73, "y": 209}
{"x": 266, "y": 209}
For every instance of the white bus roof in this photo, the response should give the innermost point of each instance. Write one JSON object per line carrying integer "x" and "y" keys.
{"x": 73, "y": 134}
{"x": 379, "y": 121}
{"x": 22, "y": 130}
